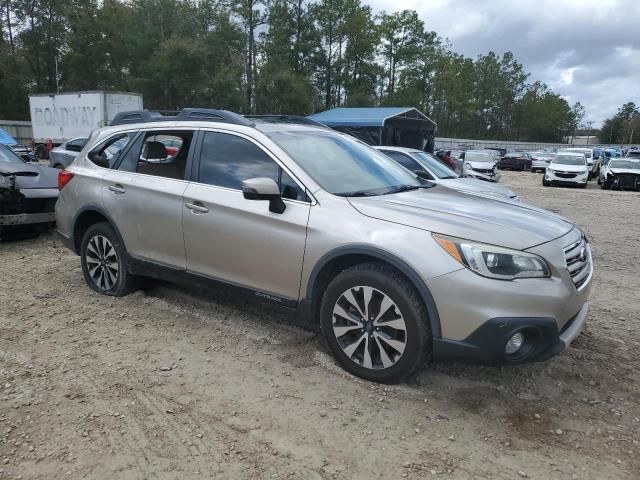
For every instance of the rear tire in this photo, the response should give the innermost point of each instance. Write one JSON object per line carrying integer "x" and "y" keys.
{"x": 384, "y": 339}
{"x": 104, "y": 261}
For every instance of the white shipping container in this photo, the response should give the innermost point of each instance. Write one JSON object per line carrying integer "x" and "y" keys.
{"x": 59, "y": 117}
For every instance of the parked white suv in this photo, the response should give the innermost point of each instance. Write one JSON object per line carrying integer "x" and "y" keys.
{"x": 567, "y": 168}
{"x": 393, "y": 269}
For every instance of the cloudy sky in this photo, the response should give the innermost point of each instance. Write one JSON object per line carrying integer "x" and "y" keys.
{"x": 586, "y": 50}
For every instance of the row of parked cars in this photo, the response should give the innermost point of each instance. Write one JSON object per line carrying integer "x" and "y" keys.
{"x": 570, "y": 166}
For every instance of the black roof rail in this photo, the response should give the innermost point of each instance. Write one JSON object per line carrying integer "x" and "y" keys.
{"x": 192, "y": 114}
{"x": 297, "y": 119}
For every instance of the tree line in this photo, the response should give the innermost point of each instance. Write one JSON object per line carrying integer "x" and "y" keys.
{"x": 623, "y": 128}
{"x": 270, "y": 56}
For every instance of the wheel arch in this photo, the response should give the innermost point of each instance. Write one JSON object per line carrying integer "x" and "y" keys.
{"x": 339, "y": 259}
{"x": 87, "y": 216}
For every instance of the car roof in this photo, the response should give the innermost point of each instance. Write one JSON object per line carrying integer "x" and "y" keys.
{"x": 397, "y": 149}
{"x": 571, "y": 153}
{"x": 196, "y": 124}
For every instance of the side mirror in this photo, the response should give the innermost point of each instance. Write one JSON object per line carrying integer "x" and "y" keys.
{"x": 264, "y": 189}
{"x": 423, "y": 174}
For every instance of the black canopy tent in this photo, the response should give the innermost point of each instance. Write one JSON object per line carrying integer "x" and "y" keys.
{"x": 395, "y": 126}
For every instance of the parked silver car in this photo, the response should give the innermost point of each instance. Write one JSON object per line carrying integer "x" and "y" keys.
{"x": 392, "y": 269}
{"x": 62, "y": 155}
{"x": 541, "y": 160}
{"x": 429, "y": 168}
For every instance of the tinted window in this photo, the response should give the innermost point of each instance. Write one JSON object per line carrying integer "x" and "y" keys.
{"x": 76, "y": 145}
{"x": 226, "y": 160}
{"x": 404, "y": 160}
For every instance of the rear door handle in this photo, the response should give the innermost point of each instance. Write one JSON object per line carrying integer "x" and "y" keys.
{"x": 117, "y": 189}
{"x": 196, "y": 207}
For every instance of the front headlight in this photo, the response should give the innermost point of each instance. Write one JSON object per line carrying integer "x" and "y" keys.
{"x": 493, "y": 261}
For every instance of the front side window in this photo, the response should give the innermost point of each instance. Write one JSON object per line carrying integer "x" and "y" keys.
{"x": 342, "y": 165}
{"x": 227, "y": 160}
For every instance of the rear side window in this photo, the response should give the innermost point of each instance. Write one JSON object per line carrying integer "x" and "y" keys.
{"x": 107, "y": 154}
{"x": 159, "y": 153}
{"x": 76, "y": 145}
{"x": 227, "y": 160}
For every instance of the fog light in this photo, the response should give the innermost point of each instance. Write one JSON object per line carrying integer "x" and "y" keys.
{"x": 514, "y": 343}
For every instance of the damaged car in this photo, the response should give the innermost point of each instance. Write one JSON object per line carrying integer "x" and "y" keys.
{"x": 478, "y": 162}
{"x": 28, "y": 194}
{"x": 620, "y": 174}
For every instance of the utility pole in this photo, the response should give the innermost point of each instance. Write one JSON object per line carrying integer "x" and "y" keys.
{"x": 589, "y": 131}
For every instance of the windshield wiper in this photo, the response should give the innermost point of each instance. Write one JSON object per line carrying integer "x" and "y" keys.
{"x": 357, "y": 193}
{"x": 408, "y": 188}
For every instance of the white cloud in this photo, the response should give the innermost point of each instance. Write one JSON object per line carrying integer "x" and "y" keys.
{"x": 586, "y": 50}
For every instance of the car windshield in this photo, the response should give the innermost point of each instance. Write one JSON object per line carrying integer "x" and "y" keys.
{"x": 478, "y": 157}
{"x": 435, "y": 166}
{"x": 586, "y": 153}
{"x": 543, "y": 155}
{"x": 345, "y": 166}
{"x": 7, "y": 156}
{"x": 569, "y": 160}
{"x": 626, "y": 164}
{"x": 634, "y": 154}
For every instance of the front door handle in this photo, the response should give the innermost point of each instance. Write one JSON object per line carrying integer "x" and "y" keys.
{"x": 117, "y": 189}
{"x": 196, "y": 207}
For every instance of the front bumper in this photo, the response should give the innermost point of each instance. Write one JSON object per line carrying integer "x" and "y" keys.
{"x": 483, "y": 313}
{"x": 27, "y": 218}
{"x": 486, "y": 345}
{"x": 559, "y": 179}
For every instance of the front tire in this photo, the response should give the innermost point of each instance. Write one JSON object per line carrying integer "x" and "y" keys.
{"x": 375, "y": 323}
{"x": 545, "y": 183}
{"x": 103, "y": 260}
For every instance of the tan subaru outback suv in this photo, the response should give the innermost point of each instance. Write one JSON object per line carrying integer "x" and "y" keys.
{"x": 394, "y": 270}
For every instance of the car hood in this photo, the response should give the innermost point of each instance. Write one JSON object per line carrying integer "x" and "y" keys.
{"x": 443, "y": 210}
{"x": 624, "y": 170}
{"x": 482, "y": 165}
{"x": 567, "y": 168}
{"x": 33, "y": 176}
{"x": 477, "y": 186}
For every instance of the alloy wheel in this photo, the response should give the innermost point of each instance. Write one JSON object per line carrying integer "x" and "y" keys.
{"x": 102, "y": 262}
{"x": 369, "y": 327}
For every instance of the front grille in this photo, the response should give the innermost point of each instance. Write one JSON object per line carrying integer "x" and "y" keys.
{"x": 627, "y": 180}
{"x": 565, "y": 175}
{"x": 484, "y": 170}
{"x": 577, "y": 259}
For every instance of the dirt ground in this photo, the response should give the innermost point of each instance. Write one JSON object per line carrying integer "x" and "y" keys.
{"x": 163, "y": 384}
